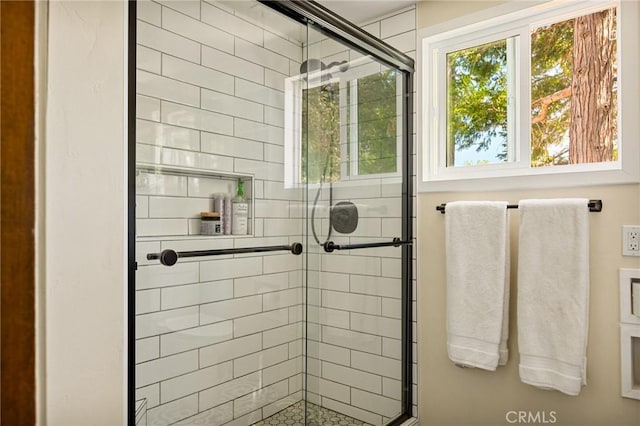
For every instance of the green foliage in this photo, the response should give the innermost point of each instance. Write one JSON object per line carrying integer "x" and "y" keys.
{"x": 377, "y": 128}
{"x": 477, "y": 98}
{"x": 321, "y": 134}
{"x": 551, "y": 72}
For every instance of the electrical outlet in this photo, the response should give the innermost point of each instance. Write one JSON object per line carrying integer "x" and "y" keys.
{"x": 630, "y": 240}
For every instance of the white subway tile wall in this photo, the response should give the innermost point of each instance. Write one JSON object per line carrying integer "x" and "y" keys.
{"x": 219, "y": 339}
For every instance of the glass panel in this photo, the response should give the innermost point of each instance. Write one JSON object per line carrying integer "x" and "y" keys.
{"x": 353, "y": 310}
{"x": 218, "y": 338}
{"x": 477, "y": 107}
{"x": 574, "y": 91}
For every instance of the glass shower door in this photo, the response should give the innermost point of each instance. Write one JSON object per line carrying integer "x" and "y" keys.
{"x": 245, "y": 114}
{"x": 219, "y": 313}
{"x": 352, "y": 159}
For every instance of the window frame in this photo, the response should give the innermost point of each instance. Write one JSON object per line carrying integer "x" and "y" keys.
{"x": 499, "y": 23}
{"x": 517, "y": 148}
{"x": 358, "y": 68}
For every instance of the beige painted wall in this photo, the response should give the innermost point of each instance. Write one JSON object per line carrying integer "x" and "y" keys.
{"x": 82, "y": 362}
{"x": 453, "y": 396}
{"x": 433, "y": 12}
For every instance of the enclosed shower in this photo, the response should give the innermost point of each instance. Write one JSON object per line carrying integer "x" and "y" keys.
{"x": 304, "y": 315}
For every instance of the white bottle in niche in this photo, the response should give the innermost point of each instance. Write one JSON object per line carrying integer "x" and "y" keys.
{"x": 218, "y": 206}
{"x": 239, "y": 212}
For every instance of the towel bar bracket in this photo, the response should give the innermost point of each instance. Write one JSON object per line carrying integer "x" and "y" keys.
{"x": 595, "y": 206}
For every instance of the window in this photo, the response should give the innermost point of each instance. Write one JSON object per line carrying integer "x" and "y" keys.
{"x": 534, "y": 92}
{"x": 374, "y": 143}
{"x": 343, "y": 125}
{"x": 479, "y": 101}
{"x": 320, "y": 141}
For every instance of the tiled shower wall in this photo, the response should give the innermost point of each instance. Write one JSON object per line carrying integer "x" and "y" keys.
{"x": 218, "y": 339}
{"x": 355, "y": 296}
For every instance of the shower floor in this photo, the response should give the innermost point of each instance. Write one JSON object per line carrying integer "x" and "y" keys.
{"x": 318, "y": 416}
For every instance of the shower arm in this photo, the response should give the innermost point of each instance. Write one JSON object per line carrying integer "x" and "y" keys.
{"x": 330, "y": 246}
{"x": 170, "y": 257}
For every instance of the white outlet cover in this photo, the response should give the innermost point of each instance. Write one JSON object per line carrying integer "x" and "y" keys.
{"x": 630, "y": 240}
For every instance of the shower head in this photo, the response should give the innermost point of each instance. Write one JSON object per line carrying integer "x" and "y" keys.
{"x": 311, "y": 65}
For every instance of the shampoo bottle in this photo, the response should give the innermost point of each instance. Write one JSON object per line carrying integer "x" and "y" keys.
{"x": 239, "y": 212}
{"x": 228, "y": 219}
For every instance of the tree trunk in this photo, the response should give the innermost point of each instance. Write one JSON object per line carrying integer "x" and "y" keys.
{"x": 591, "y": 133}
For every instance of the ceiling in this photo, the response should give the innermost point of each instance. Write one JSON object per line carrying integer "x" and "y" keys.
{"x": 361, "y": 11}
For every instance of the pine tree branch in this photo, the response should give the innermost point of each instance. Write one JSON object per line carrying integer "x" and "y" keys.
{"x": 546, "y": 101}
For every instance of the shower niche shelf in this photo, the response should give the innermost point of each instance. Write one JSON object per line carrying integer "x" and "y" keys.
{"x": 169, "y": 200}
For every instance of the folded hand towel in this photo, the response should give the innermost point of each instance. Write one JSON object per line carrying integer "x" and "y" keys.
{"x": 553, "y": 293}
{"x": 477, "y": 253}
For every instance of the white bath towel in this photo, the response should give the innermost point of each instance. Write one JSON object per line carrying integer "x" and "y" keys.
{"x": 553, "y": 293}
{"x": 477, "y": 256}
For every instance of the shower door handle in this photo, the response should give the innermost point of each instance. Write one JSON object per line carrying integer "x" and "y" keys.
{"x": 170, "y": 257}
{"x": 330, "y": 246}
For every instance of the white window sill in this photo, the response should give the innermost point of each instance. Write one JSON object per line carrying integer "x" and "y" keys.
{"x": 529, "y": 181}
